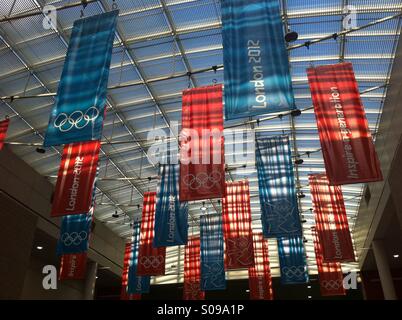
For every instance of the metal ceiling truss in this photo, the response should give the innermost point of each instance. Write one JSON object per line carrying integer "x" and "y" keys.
{"x": 126, "y": 179}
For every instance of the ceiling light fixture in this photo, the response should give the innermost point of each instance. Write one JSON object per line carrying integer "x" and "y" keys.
{"x": 296, "y": 112}
{"x": 291, "y": 36}
{"x": 308, "y": 287}
{"x": 203, "y": 208}
{"x": 115, "y": 214}
{"x": 39, "y": 247}
{"x": 309, "y": 297}
{"x": 396, "y": 256}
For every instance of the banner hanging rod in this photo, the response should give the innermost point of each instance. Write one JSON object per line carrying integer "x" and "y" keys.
{"x": 296, "y": 112}
{"x": 306, "y": 44}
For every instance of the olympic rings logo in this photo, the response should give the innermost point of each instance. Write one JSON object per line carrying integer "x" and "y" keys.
{"x": 77, "y": 119}
{"x": 153, "y": 261}
{"x": 332, "y": 284}
{"x": 73, "y": 238}
{"x": 202, "y": 179}
{"x": 293, "y": 272}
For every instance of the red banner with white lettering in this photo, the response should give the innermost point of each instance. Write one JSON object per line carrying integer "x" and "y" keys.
{"x": 331, "y": 220}
{"x": 3, "y": 131}
{"x": 202, "y": 160}
{"x": 259, "y": 276}
{"x": 151, "y": 261}
{"x": 192, "y": 270}
{"x": 75, "y": 180}
{"x": 236, "y": 214}
{"x": 346, "y": 142}
{"x": 329, "y": 273}
{"x": 73, "y": 266}
{"x": 124, "y": 277}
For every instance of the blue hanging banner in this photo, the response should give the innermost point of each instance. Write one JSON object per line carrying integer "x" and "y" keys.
{"x": 212, "y": 258}
{"x": 292, "y": 260}
{"x": 257, "y": 76}
{"x": 74, "y": 233}
{"x": 171, "y": 215}
{"x": 81, "y": 97}
{"x": 136, "y": 284}
{"x": 278, "y": 199}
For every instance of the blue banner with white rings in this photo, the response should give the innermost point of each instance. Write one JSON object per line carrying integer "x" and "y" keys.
{"x": 171, "y": 215}
{"x": 278, "y": 198}
{"x": 212, "y": 258}
{"x": 74, "y": 233}
{"x": 79, "y": 109}
{"x": 257, "y": 76}
{"x": 292, "y": 260}
{"x": 136, "y": 284}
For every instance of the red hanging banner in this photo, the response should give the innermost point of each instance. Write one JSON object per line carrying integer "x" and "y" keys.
{"x": 75, "y": 180}
{"x": 151, "y": 261}
{"x": 331, "y": 220}
{"x": 73, "y": 266}
{"x": 124, "y": 277}
{"x": 329, "y": 273}
{"x": 192, "y": 270}
{"x": 259, "y": 276}
{"x": 3, "y": 131}
{"x": 346, "y": 142}
{"x": 202, "y": 161}
{"x": 236, "y": 214}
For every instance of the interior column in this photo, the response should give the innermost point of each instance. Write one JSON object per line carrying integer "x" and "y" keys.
{"x": 384, "y": 270}
{"x": 90, "y": 280}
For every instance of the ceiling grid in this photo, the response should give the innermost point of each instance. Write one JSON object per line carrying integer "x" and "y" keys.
{"x": 160, "y": 45}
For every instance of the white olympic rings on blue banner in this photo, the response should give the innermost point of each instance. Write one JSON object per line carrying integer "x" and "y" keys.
{"x": 73, "y": 238}
{"x": 293, "y": 272}
{"x": 77, "y": 119}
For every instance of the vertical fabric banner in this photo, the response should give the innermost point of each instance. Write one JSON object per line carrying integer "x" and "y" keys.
{"x": 73, "y": 266}
{"x": 124, "y": 277}
{"x": 74, "y": 233}
{"x": 192, "y": 270}
{"x": 346, "y": 142}
{"x": 136, "y": 284}
{"x": 151, "y": 260}
{"x": 236, "y": 215}
{"x": 212, "y": 258}
{"x": 331, "y": 220}
{"x": 292, "y": 260}
{"x": 280, "y": 212}
{"x": 171, "y": 215}
{"x": 81, "y": 97}
{"x": 202, "y": 160}
{"x": 329, "y": 273}
{"x": 3, "y": 131}
{"x": 259, "y": 276}
{"x": 75, "y": 180}
{"x": 257, "y": 76}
